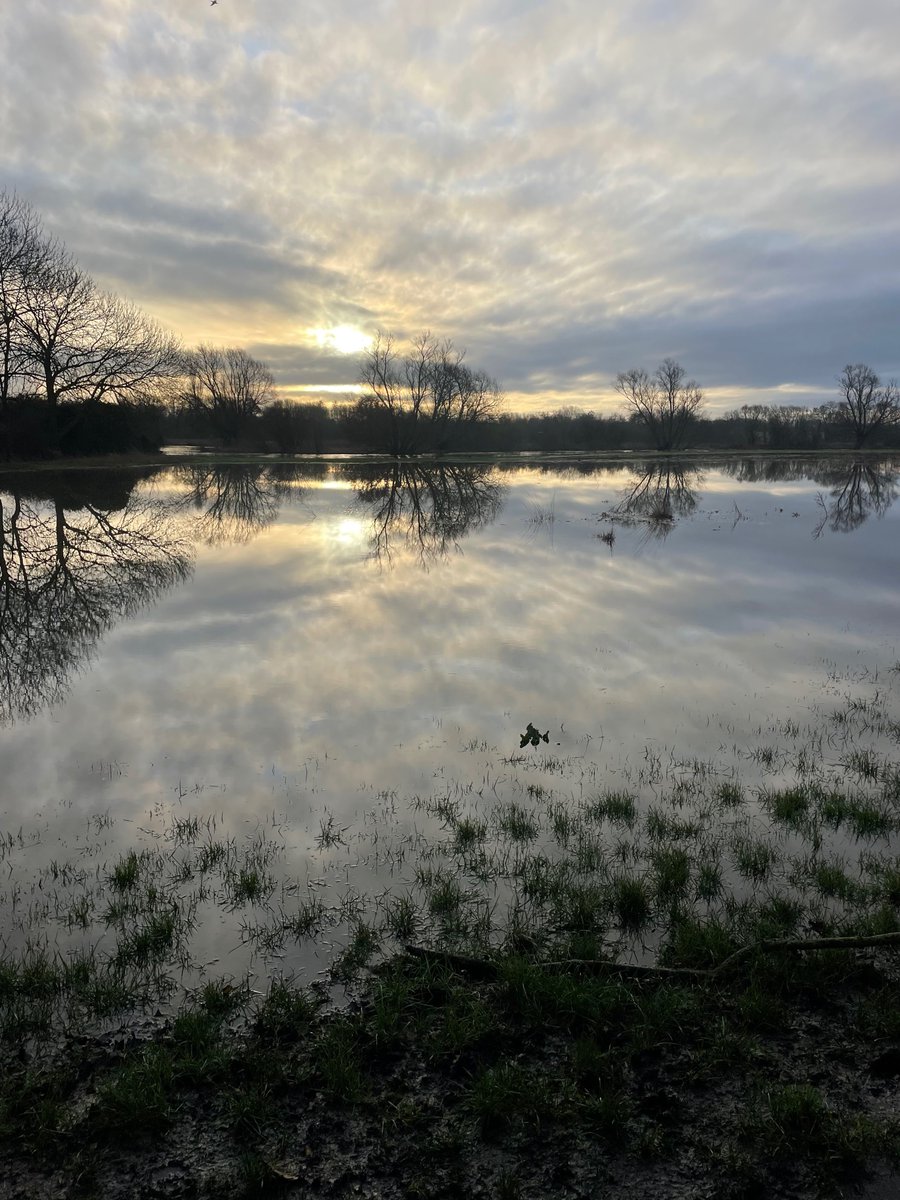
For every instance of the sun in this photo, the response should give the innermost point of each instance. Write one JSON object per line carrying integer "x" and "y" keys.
{"x": 343, "y": 339}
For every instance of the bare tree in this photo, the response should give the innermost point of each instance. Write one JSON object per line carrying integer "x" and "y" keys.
{"x": 64, "y": 339}
{"x": 865, "y": 402}
{"x": 396, "y": 390}
{"x": 229, "y": 384}
{"x": 22, "y": 249}
{"x": 459, "y": 396}
{"x": 80, "y": 343}
{"x": 751, "y": 420}
{"x": 665, "y": 401}
{"x": 421, "y": 400}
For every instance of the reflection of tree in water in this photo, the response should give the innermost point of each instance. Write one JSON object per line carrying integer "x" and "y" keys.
{"x": 769, "y": 470}
{"x": 857, "y": 490}
{"x": 237, "y": 502}
{"x": 659, "y": 493}
{"x": 69, "y": 570}
{"x": 430, "y": 508}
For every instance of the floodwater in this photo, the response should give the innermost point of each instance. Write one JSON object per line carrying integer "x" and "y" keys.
{"x": 308, "y": 658}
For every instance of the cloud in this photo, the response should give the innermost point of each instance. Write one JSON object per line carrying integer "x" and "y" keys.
{"x": 566, "y": 191}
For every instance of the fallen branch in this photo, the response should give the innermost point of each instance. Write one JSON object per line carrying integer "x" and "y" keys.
{"x": 482, "y": 968}
{"x": 825, "y": 943}
{"x": 479, "y": 968}
{"x": 777, "y": 945}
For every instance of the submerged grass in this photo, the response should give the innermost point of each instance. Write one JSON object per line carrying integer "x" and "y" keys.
{"x": 531, "y": 1023}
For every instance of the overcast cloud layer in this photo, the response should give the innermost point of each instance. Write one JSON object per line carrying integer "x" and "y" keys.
{"x": 566, "y": 188}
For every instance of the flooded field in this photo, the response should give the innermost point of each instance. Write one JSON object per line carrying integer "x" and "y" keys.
{"x": 262, "y": 721}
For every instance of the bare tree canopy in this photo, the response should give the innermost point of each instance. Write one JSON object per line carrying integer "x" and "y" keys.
{"x": 229, "y": 384}
{"x": 419, "y": 400}
{"x": 61, "y": 337}
{"x": 665, "y": 401}
{"x": 83, "y": 344}
{"x": 23, "y": 248}
{"x": 865, "y": 402}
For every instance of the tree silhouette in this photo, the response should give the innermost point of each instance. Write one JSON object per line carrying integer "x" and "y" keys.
{"x": 423, "y": 400}
{"x": 866, "y": 403}
{"x": 858, "y": 490}
{"x": 236, "y": 502}
{"x": 67, "y": 575}
{"x": 430, "y": 508}
{"x": 23, "y": 249}
{"x": 665, "y": 401}
{"x": 229, "y": 385}
{"x": 660, "y": 493}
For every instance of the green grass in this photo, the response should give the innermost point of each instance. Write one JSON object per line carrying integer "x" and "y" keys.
{"x": 668, "y": 865}
{"x": 339, "y": 1061}
{"x": 35, "y": 1106}
{"x": 467, "y": 1024}
{"x": 563, "y": 822}
{"x": 776, "y": 917}
{"x": 213, "y": 855}
{"x": 512, "y": 1094}
{"x": 286, "y": 1013}
{"x": 251, "y": 886}
{"x": 832, "y": 880}
{"x": 619, "y": 808}
{"x": 663, "y": 825}
{"x": 518, "y": 823}
{"x": 581, "y": 907}
{"x": 126, "y": 872}
{"x": 307, "y": 920}
{"x": 887, "y": 882}
{"x": 729, "y": 794}
{"x": 698, "y": 943}
{"x": 670, "y": 871}
{"x": 629, "y": 900}
{"x": 754, "y": 858}
{"x": 152, "y": 941}
{"x": 446, "y": 898}
{"x": 797, "y": 1119}
{"x": 870, "y": 820}
{"x": 710, "y": 884}
{"x": 789, "y": 806}
{"x": 402, "y": 917}
{"x": 467, "y": 834}
{"x": 137, "y": 1098}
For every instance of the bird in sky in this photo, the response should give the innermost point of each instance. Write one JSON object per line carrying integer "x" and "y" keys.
{"x": 212, "y": 2}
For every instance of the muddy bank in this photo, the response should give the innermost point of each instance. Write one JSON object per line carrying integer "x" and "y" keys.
{"x": 781, "y": 1083}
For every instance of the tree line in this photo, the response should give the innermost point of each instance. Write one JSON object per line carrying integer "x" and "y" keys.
{"x": 430, "y": 402}
{"x": 84, "y": 371}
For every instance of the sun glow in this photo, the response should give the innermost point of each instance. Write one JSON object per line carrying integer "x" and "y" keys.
{"x": 348, "y": 531}
{"x": 342, "y": 339}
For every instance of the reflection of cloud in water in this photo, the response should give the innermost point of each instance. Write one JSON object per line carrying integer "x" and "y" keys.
{"x": 299, "y": 674}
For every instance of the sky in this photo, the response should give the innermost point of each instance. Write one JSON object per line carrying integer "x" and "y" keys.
{"x": 565, "y": 188}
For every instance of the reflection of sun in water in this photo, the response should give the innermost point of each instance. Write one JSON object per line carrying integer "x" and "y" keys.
{"x": 343, "y": 339}
{"x": 348, "y": 531}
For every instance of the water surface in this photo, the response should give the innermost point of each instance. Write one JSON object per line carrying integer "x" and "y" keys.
{"x": 308, "y": 659}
